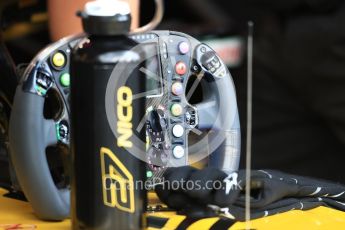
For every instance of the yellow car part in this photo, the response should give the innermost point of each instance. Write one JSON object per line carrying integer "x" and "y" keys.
{"x": 15, "y": 213}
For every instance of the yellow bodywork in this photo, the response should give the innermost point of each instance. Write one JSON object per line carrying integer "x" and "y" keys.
{"x": 19, "y": 213}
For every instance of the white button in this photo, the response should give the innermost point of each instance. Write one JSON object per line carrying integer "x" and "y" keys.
{"x": 183, "y": 47}
{"x": 178, "y": 130}
{"x": 177, "y": 88}
{"x": 178, "y": 152}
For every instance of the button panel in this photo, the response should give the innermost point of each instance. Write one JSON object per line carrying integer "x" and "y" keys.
{"x": 176, "y": 68}
{"x": 50, "y": 73}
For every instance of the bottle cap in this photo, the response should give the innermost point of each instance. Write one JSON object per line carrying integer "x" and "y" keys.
{"x": 106, "y": 8}
{"x": 106, "y": 17}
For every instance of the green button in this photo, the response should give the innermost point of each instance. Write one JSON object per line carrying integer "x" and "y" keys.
{"x": 176, "y": 110}
{"x": 149, "y": 174}
{"x": 65, "y": 80}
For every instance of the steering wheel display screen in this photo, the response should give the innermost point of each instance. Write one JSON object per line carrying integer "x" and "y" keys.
{"x": 152, "y": 71}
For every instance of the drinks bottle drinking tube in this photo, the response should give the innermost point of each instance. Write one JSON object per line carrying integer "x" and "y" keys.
{"x": 104, "y": 195}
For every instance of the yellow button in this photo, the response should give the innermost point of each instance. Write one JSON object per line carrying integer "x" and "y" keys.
{"x": 176, "y": 110}
{"x": 58, "y": 59}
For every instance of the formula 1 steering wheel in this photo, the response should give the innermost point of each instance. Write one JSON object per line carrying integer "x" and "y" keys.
{"x": 47, "y": 76}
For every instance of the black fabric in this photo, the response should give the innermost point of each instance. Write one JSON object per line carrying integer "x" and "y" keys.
{"x": 272, "y": 192}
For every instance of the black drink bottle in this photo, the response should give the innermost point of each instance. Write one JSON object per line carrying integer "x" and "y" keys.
{"x": 105, "y": 117}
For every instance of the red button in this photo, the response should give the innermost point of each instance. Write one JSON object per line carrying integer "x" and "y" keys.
{"x": 180, "y": 68}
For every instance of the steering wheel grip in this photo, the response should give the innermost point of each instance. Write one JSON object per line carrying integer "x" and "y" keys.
{"x": 230, "y": 151}
{"x": 30, "y": 133}
{"x": 222, "y": 117}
